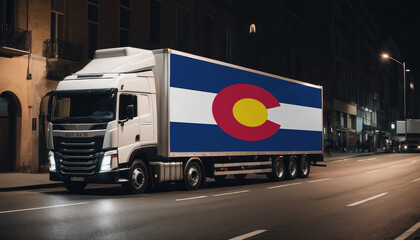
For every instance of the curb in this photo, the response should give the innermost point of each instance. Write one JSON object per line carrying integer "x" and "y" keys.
{"x": 31, "y": 187}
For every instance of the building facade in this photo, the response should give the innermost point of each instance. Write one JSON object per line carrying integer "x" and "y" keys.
{"x": 42, "y": 41}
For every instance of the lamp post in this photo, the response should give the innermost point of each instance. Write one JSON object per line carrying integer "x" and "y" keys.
{"x": 386, "y": 56}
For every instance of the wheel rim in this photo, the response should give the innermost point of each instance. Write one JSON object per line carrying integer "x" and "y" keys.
{"x": 304, "y": 166}
{"x": 193, "y": 176}
{"x": 292, "y": 168}
{"x": 138, "y": 178}
{"x": 279, "y": 169}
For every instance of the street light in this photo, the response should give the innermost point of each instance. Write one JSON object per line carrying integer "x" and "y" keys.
{"x": 386, "y": 56}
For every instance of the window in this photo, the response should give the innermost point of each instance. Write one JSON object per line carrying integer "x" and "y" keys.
{"x": 127, "y": 101}
{"x": 93, "y": 27}
{"x": 58, "y": 20}
{"x": 125, "y": 22}
{"x": 182, "y": 28}
{"x": 226, "y": 44}
{"x": 7, "y": 13}
{"x": 154, "y": 20}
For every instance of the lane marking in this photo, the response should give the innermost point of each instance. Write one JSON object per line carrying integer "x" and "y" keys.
{"x": 320, "y": 180}
{"x": 418, "y": 179}
{"x": 285, "y": 185}
{"x": 367, "y": 159}
{"x": 191, "y": 198}
{"x": 248, "y": 235}
{"x": 342, "y": 160}
{"x": 367, "y": 199}
{"x": 374, "y": 171}
{"x": 414, "y": 161}
{"x": 410, "y": 231}
{"x": 398, "y": 165}
{"x": 230, "y": 193}
{"x": 46, "y": 207}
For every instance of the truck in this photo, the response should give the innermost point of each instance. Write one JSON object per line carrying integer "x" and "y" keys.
{"x": 144, "y": 117}
{"x": 411, "y": 143}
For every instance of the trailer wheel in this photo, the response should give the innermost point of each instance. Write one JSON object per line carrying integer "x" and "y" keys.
{"x": 75, "y": 187}
{"x": 304, "y": 167}
{"x": 138, "y": 177}
{"x": 291, "y": 168}
{"x": 192, "y": 176}
{"x": 278, "y": 170}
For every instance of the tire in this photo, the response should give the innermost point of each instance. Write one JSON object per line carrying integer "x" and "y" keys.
{"x": 192, "y": 176}
{"x": 75, "y": 187}
{"x": 304, "y": 167}
{"x": 278, "y": 170}
{"x": 138, "y": 178}
{"x": 291, "y": 168}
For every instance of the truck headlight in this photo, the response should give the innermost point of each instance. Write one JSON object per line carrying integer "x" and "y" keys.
{"x": 405, "y": 147}
{"x": 110, "y": 161}
{"x": 418, "y": 147}
{"x": 52, "y": 161}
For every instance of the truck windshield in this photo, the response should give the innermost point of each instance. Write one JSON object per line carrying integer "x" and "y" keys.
{"x": 83, "y": 106}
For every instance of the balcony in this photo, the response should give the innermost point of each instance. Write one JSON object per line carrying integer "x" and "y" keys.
{"x": 62, "y": 50}
{"x": 14, "y": 41}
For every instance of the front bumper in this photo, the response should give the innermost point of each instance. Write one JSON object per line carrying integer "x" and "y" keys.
{"x": 104, "y": 177}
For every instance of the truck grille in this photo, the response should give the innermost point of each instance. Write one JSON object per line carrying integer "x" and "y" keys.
{"x": 78, "y": 156}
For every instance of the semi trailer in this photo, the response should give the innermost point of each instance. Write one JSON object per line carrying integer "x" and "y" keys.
{"x": 143, "y": 117}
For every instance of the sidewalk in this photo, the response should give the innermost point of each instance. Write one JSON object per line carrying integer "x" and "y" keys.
{"x": 25, "y": 181}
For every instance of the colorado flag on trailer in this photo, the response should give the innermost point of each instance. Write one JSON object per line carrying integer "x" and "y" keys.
{"x": 223, "y": 108}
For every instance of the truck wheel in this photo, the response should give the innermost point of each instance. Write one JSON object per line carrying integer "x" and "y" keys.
{"x": 75, "y": 187}
{"x": 278, "y": 170}
{"x": 291, "y": 168}
{"x": 138, "y": 177}
{"x": 304, "y": 167}
{"x": 192, "y": 176}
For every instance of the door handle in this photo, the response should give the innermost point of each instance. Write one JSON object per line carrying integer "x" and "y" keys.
{"x": 137, "y": 137}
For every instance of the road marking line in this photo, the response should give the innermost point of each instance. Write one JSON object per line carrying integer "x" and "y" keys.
{"x": 248, "y": 235}
{"x": 191, "y": 198}
{"x": 374, "y": 171}
{"x": 285, "y": 185}
{"x": 230, "y": 193}
{"x": 414, "y": 161}
{"x": 367, "y": 159}
{"x": 47, "y": 207}
{"x": 398, "y": 165}
{"x": 342, "y": 160}
{"x": 418, "y": 179}
{"x": 410, "y": 231}
{"x": 320, "y": 180}
{"x": 367, "y": 199}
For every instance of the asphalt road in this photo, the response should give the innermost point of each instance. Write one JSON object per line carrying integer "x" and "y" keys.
{"x": 374, "y": 197}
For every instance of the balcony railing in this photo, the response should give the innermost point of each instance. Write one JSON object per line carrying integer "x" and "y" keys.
{"x": 54, "y": 48}
{"x": 14, "y": 41}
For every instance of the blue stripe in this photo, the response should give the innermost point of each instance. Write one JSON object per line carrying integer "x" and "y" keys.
{"x": 199, "y": 75}
{"x": 188, "y": 137}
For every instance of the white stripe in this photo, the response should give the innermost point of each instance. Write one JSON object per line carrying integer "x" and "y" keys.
{"x": 367, "y": 199}
{"x": 191, "y": 198}
{"x": 408, "y": 233}
{"x": 367, "y": 159}
{"x": 191, "y": 106}
{"x": 418, "y": 179}
{"x": 320, "y": 180}
{"x": 374, "y": 171}
{"x": 39, "y": 208}
{"x": 248, "y": 235}
{"x": 285, "y": 185}
{"x": 398, "y": 165}
{"x": 414, "y": 161}
{"x": 230, "y": 193}
{"x": 296, "y": 117}
{"x": 342, "y": 160}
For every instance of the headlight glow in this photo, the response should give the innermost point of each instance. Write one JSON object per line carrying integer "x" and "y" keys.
{"x": 405, "y": 146}
{"x": 52, "y": 161}
{"x": 110, "y": 161}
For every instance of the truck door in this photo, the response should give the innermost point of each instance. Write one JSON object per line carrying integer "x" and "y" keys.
{"x": 128, "y": 127}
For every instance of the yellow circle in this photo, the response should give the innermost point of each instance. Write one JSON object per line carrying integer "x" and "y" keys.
{"x": 250, "y": 112}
